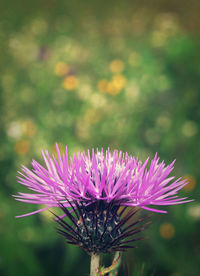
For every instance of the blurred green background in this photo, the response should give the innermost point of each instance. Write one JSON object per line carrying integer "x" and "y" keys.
{"x": 123, "y": 74}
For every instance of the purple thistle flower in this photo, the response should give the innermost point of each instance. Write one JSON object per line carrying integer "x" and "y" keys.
{"x": 111, "y": 177}
{"x": 90, "y": 189}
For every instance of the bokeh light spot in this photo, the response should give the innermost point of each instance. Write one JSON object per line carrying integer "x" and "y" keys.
{"x": 191, "y": 183}
{"x": 113, "y": 87}
{"x": 132, "y": 91}
{"x": 189, "y": 128}
{"x": 97, "y": 100}
{"x": 46, "y": 215}
{"x": 61, "y": 69}
{"x": 22, "y": 147}
{"x": 116, "y": 66}
{"x": 119, "y": 82}
{"x": 70, "y": 82}
{"x": 61, "y": 147}
{"x": 167, "y": 231}
{"x": 82, "y": 129}
{"x": 152, "y": 136}
{"x": 163, "y": 122}
{"x": 102, "y": 85}
{"x": 92, "y": 116}
{"x": 194, "y": 211}
{"x": 29, "y": 128}
{"x": 14, "y": 130}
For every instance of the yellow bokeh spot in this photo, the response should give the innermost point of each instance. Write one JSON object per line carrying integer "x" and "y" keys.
{"x": 70, "y": 82}
{"x": 119, "y": 82}
{"x": 22, "y": 147}
{"x": 102, "y": 85}
{"x": 163, "y": 121}
{"x": 132, "y": 91}
{"x": 167, "y": 230}
{"x": 194, "y": 211}
{"x": 61, "y": 69}
{"x": 116, "y": 66}
{"x": 60, "y": 146}
{"x": 29, "y": 128}
{"x": 92, "y": 116}
{"x": 113, "y": 87}
{"x": 108, "y": 87}
{"x": 191, "y": 183}
{"x": 46, "y": 215}
{"x": 189, "y": 128}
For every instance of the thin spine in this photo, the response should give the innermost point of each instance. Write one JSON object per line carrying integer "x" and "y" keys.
{"x": 96, "y": 220}
{"x": 68, "y": 236}
{"x": 134, "y": 223}
{"x": 68, "y": 214}
{"x": 66, "y": 226}
{"x": 106, "y": 220}
{"x": 124, "y": 220}
{"x": 73, "y": 208}
{"x": 63, "y": 223}
{"x": 83, "y": 219}
{"x": 127, "y": 234}
{"x": 122, "y": 211}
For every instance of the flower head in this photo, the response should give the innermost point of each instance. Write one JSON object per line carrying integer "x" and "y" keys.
{"x": 111, "y": 177}
{"x": 91, "y": 187}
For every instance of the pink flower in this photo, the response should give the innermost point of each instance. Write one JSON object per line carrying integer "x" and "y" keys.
{"x": 116, "y": 178}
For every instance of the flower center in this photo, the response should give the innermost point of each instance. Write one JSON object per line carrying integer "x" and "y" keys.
{"x": 100, "y": 228}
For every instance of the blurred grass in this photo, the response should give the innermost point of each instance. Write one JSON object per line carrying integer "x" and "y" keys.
{"x": 98, "y": 74}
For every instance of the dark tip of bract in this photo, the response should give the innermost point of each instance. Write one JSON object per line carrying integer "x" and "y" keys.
{"x": 99, "y": 227}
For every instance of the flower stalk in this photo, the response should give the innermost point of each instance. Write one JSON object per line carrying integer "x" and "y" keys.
{"x": 96, "y": 270}
{"x": 94, "y": 265}
{"x": 112, "y": 269}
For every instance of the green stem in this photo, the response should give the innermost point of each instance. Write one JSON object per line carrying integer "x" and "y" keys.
{"x": 112, "y": 270}
{"x": 94, "y": 265}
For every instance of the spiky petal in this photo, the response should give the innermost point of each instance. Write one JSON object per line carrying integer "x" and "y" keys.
{"x": 89, "y": 177}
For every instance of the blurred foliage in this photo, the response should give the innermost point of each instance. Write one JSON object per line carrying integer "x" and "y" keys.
{"x": 98, "y": 74}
